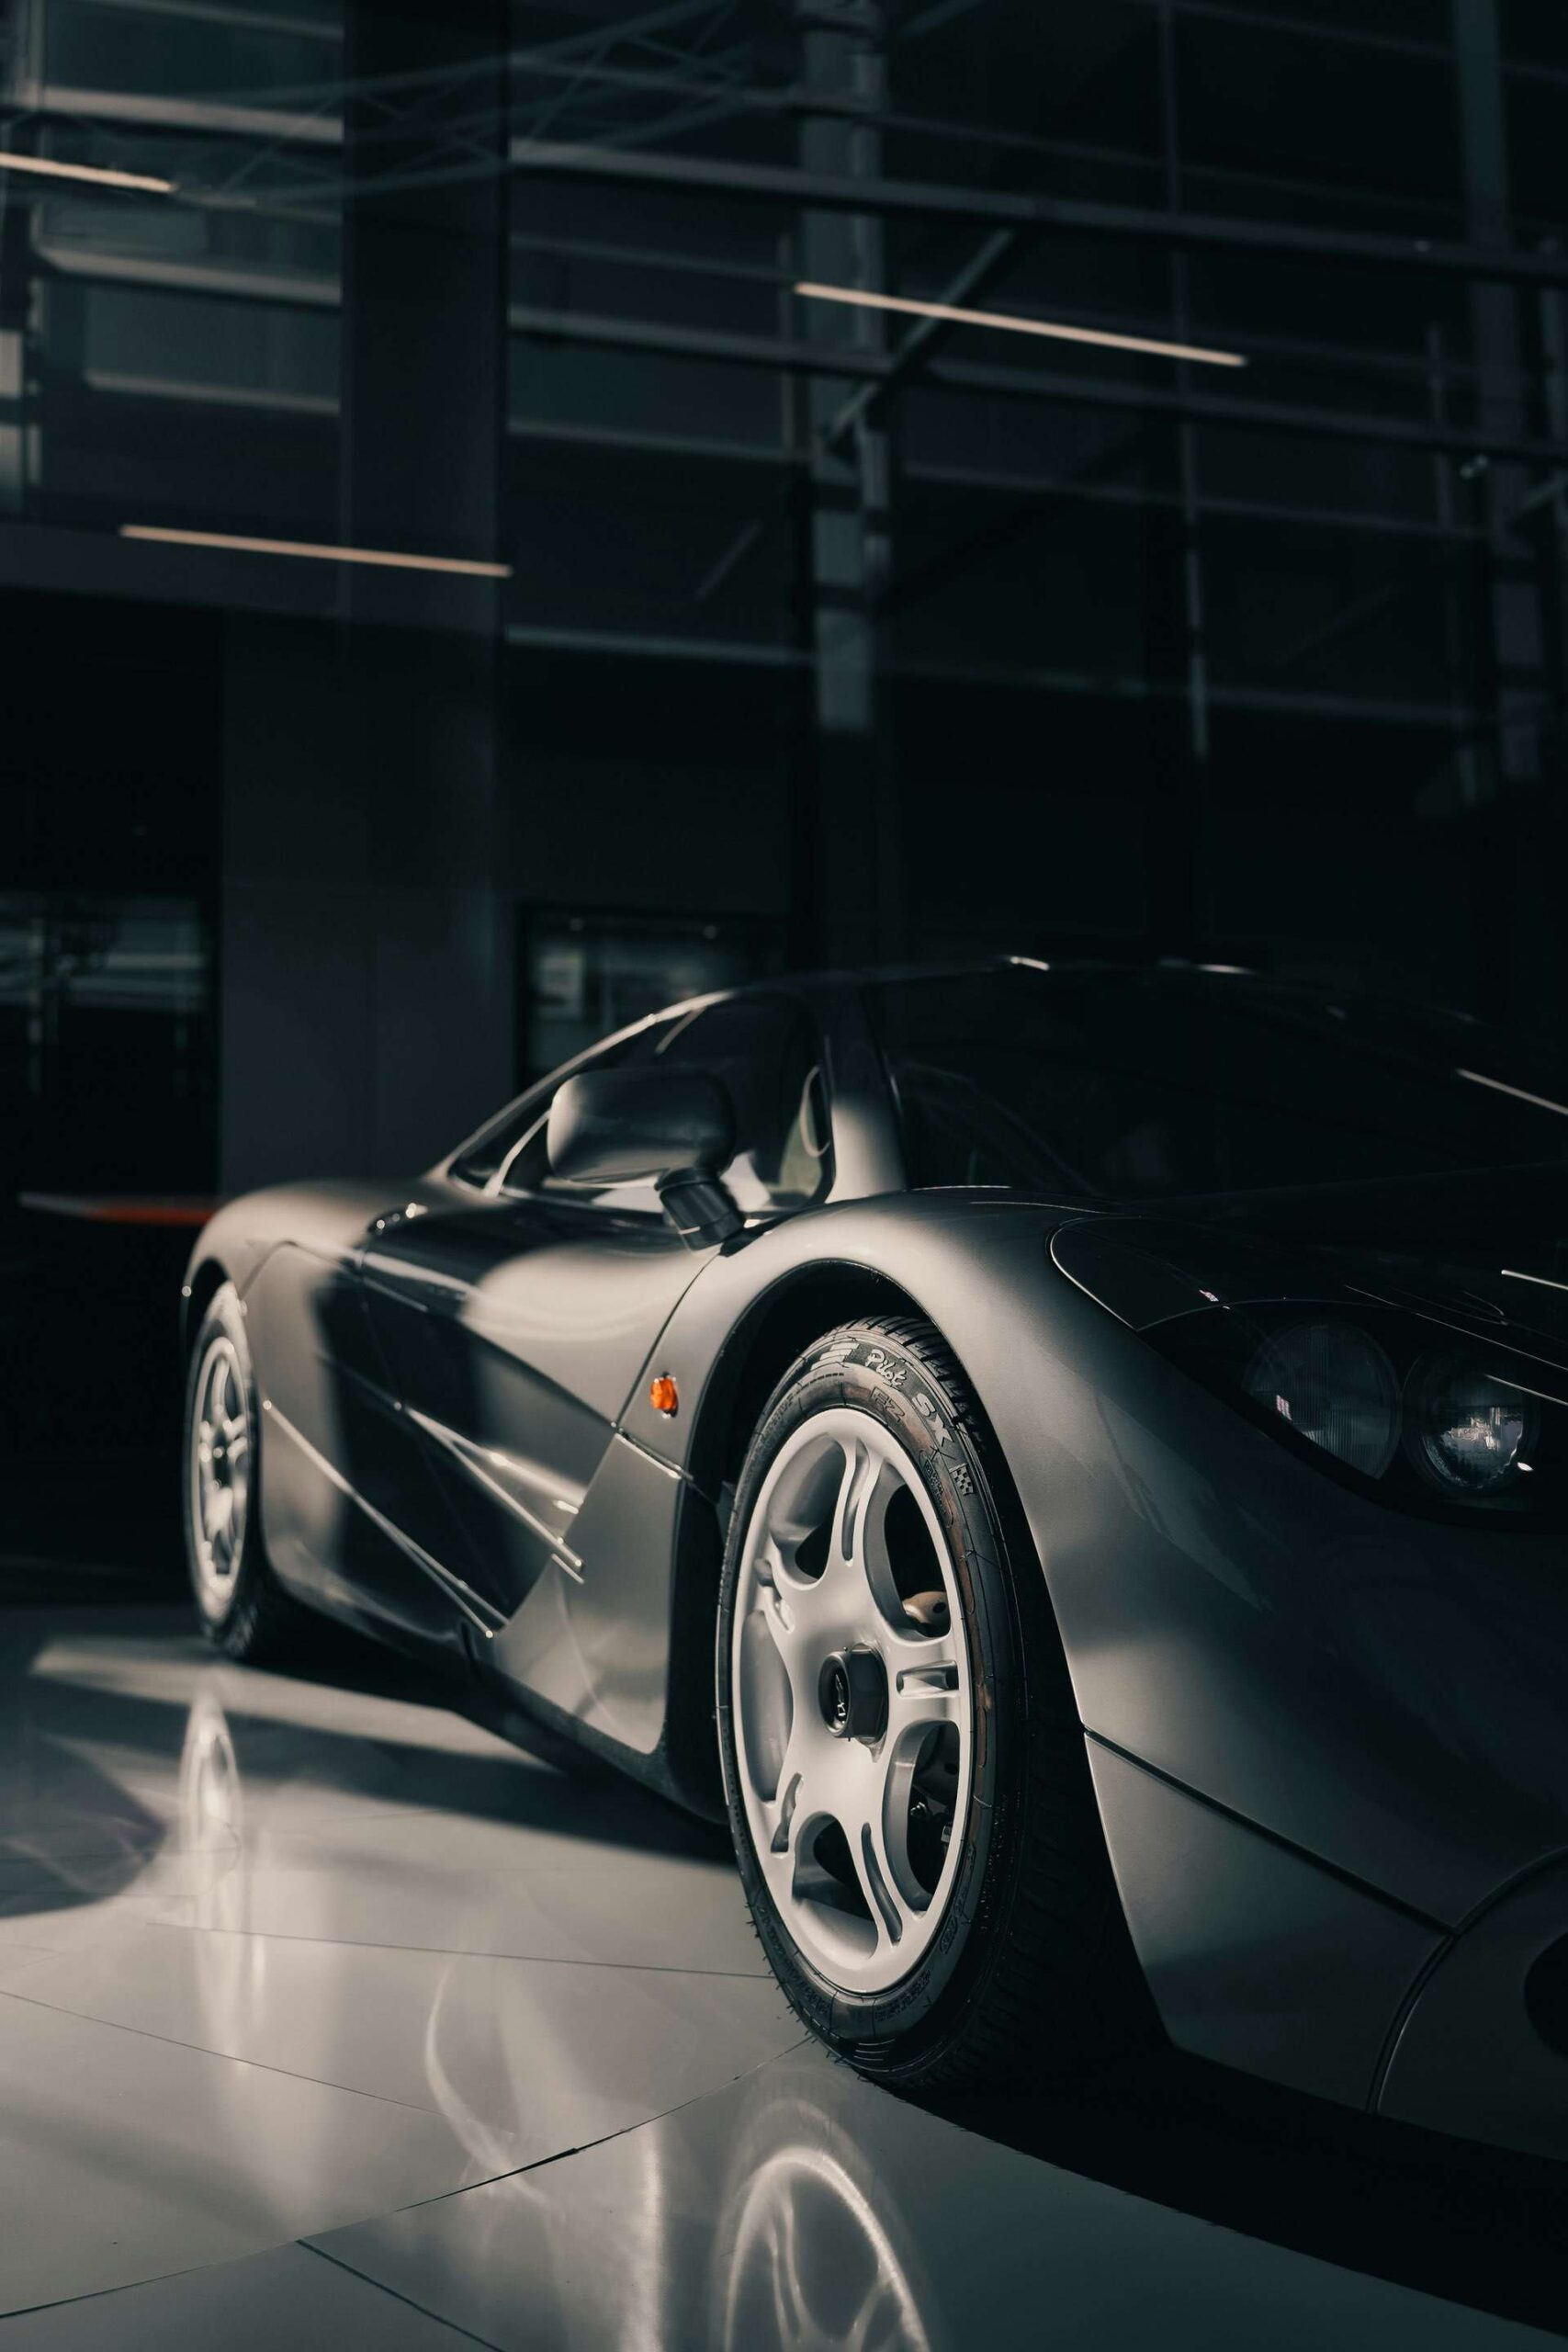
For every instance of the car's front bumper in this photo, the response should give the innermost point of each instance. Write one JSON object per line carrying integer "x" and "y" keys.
{"x": 1483, "y": 2048}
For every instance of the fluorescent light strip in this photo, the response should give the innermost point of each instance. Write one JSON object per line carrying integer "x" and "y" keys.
{"x": 1512, "y": 1273}
{"x": 95, "y": 175}
{"x": 384, "y": 558}
{"x": 1541, "y": 1102}
{"x": 1022, "y": 326}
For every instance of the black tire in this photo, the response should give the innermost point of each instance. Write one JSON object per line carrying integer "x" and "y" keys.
{"x": 252, "y": 1618}
{"x": 1031, "y": 1970}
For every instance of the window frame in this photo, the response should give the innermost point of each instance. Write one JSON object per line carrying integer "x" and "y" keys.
{"x": 674, "y": 1020}
{"x": 542, "y": 1091}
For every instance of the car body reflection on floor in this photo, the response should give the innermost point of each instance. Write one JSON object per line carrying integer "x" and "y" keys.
{"x": 325, "y": 2012}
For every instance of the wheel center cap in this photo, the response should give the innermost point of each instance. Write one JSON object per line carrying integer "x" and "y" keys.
{"x": 852, "y": 1691}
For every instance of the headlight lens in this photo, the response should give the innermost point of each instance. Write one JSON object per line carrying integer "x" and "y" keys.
{"x": 1465, "y": 1431}
{"x": 1427, "y": 1421}
{"x": 1334, "y": 1386}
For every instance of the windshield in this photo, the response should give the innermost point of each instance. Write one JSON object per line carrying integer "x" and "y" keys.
{"x": 1148, "y": 1084}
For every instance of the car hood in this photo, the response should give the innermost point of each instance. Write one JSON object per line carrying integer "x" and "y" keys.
{"x": 1485, "y": 1252}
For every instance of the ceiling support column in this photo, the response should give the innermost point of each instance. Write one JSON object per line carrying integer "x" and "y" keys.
{"x": 851, "y": 856}
{"x": 367, "y": 992}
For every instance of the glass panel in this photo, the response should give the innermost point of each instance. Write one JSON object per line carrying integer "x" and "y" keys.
{"x": 105, "y": 1045}
{"x": 767, "y": 1051}
{"x": 587, "y": 974}
{"x": 1123, "y": 1085}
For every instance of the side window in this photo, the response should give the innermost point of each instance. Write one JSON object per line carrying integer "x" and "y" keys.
{"x": 494, "y": 1145}
{"x": 513, "y": 1146}
{"x": 526, "y": 1167}
{"x": 768, "y": 1052}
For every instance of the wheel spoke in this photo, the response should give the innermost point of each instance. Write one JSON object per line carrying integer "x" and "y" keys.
{"x": 780, "y": 1607}
{"x": 892, "y": 1914}
{"x": 223, "y": 1550}
{"x": 923, "y": 1680}
{"x": 846, "y": 1543}
{"x": 783, "y": 1814}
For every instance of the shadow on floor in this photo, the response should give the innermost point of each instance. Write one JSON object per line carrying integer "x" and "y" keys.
{"x": 1471, "y": 2225}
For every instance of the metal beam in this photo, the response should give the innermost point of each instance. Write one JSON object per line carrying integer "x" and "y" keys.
{"x": 154, "y": 111}
{"x": 1017, "y": 383}
{"x": 235, "y": 19}
{"x": 112, "y": 383}
{"x": 631, "y": 644}
{"x": 316, "y": 292}
{"x": 313, "y": 97}
{"x": 1271, "y": 416}
{"x": 1226, "y": 12}
{"x": 696, "y": 342}
{"x": 784, "y": 185}
{"x": 935, "y": 199}
{"x": 300, "y": 288}
{"x": 50, "y": 557}
{"x": 258, "y": 399}
{"x": 319, "y": 288}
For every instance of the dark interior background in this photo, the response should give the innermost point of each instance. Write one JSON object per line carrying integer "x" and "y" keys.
{"x": 825, "y": 634}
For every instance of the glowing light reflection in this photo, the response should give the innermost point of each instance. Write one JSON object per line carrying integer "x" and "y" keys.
{"x": 388, "y": 559}
{"x": 1053, "y": 329}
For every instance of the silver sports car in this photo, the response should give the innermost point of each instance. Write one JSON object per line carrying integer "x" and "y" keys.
{"x": 1070, "y": 1462}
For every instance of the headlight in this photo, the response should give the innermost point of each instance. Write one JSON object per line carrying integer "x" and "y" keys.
{"x": 1388, "y": 1402}
{"x": 1334, "y": 1386}
{"x": 1465, "y": 1431}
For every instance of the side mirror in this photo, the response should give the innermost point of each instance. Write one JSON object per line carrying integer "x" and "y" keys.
{"x": 675, "y": 1127}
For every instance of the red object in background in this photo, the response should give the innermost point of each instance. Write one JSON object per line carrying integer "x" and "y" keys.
{"x": 122, "y": 1209}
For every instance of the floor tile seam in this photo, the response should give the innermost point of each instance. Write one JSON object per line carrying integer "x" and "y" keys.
{"x": 308, "y": 1833}
{"x": 204, "y": 2050}
{"x": 397, "y": 2295}
{"x": 447, "y": 1951}
{"x": 128, "y": 2286}
{"x": 195, "y": 2269}
{"x": 494, "y": 1872}
{"x": 603, "y": 2139}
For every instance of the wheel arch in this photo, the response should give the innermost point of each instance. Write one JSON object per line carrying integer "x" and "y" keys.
{"x": 803, "y": 1305}
{"x": 202, "y": 1286}
{"x": 759, "y": 1350}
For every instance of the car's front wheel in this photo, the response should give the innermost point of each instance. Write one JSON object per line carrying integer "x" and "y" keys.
{"x": 243, "y": 1609}
{"x": 903, "y": 1763}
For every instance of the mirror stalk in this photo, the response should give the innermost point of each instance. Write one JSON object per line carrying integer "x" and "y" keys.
{"x": 699, "y": 1207}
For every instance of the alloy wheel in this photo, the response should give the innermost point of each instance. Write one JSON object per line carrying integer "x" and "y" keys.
{"x": 219, "y": 1473}
{"x": 852, "y": 1700}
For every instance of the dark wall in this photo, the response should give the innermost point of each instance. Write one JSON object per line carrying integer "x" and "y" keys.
{"x": 658, "y": 785}
{"x": 109, "y": 852}
{"x": 109, "y": 744}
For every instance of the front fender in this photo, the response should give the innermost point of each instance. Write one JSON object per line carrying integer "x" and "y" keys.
{"x": 1382, "y": 1694}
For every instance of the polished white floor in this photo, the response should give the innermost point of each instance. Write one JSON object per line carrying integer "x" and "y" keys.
{"x": 327, "y": 2018}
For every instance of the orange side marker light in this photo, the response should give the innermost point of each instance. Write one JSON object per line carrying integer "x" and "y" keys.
{"x": 663, "y": 1395}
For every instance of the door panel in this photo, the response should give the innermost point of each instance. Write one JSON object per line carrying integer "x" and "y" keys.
{"x": 515, "y": 1319}
{"x": 331, "y": 1546}
{"x": 595, "y": 1642}
{"x": 345, "y": 1477}
{"x": 513, "y": 1330}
